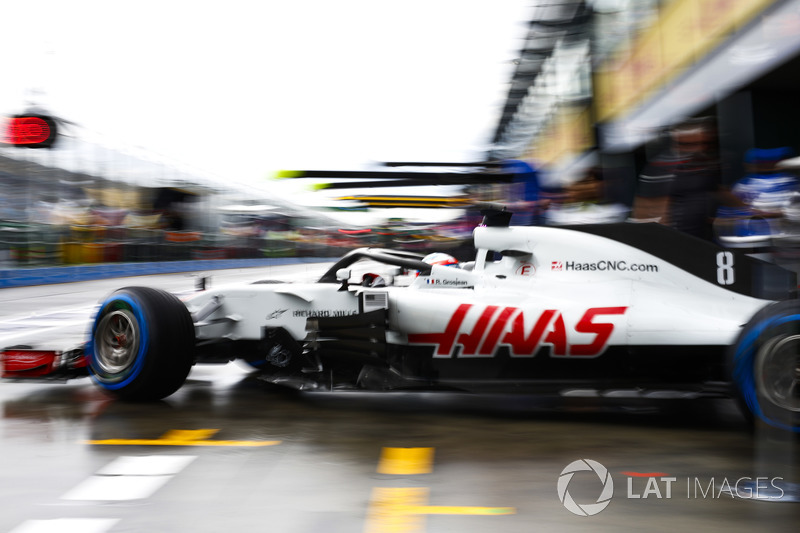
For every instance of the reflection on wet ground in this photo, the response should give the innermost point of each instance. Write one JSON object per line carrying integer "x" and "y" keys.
{"x": 495, "y": 460}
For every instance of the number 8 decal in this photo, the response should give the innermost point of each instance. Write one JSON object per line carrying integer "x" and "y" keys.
{"x": 725, "y": 274}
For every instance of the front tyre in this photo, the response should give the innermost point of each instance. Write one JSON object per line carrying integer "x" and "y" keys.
{"x": 142, "y": 344}
{"x": 765, "y": 365}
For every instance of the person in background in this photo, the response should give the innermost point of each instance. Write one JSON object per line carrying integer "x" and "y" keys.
{"x": 584, "y": 202}
{"x": 763, "y": 195}
{"x": 682, "y": 186}
{"x": 767, "y": 187}
{"x": 588, "y": 189}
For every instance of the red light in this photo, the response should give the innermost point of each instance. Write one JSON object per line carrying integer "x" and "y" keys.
{"x": 31, "y": 131}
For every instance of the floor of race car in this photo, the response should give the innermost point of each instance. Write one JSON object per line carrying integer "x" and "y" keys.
{"x": 230, "y": 453}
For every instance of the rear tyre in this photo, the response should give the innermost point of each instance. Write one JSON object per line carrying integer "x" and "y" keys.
{"x": 765, "y": 365}
{"x": 142, "y": 344}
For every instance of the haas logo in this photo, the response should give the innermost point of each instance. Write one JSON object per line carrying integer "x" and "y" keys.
{"x": 549, "y": 328}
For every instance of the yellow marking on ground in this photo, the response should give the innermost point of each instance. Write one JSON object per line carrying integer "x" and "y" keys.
{"x": 406, "y": 461}
{"x": 386, "y": 513}
{"x": 185, "y": 437}
{"x": 459, "y": 509}
{"x": 189, "y": 434}
{"x": 396, "y": 510}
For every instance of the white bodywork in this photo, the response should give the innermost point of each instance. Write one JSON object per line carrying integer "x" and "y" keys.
{"x": 577, "y": 292}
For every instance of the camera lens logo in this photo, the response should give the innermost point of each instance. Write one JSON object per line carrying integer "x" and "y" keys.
{"x": 588, "y": 509}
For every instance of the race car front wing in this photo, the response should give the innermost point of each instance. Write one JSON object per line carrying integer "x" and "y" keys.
{"x": 25, "y": 363}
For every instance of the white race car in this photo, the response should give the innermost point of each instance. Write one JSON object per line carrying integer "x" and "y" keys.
{"x": 607, "y": 311}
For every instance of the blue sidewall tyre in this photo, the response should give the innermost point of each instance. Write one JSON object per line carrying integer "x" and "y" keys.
{"x": 118, "y": 382}
{"x": 164, "y": 330}
{"x": 743, "y": 362}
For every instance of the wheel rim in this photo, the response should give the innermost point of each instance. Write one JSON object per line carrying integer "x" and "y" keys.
{"x": 117, "y": 342}
{"x": 778, "y": 372}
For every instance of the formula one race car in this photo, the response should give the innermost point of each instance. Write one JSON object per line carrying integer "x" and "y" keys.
{"x": 631, "y": 310}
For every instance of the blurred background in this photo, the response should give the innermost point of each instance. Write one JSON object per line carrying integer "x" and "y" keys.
{"x": 185, "y": 132}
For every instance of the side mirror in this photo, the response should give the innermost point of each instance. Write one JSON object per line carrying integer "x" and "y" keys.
{"x": 343, "y": 276}
{"x": 201, "y": 282}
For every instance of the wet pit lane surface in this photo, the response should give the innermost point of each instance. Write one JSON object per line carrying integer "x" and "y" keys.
{"x": 228, "y": 452}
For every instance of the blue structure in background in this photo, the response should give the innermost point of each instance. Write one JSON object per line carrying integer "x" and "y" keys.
{"x": 23, "y": 277}
{"x": 526, "y": 186}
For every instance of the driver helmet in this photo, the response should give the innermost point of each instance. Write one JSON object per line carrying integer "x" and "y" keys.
{"x": 440, "y": 258}
{"x": 373, "y": 280}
